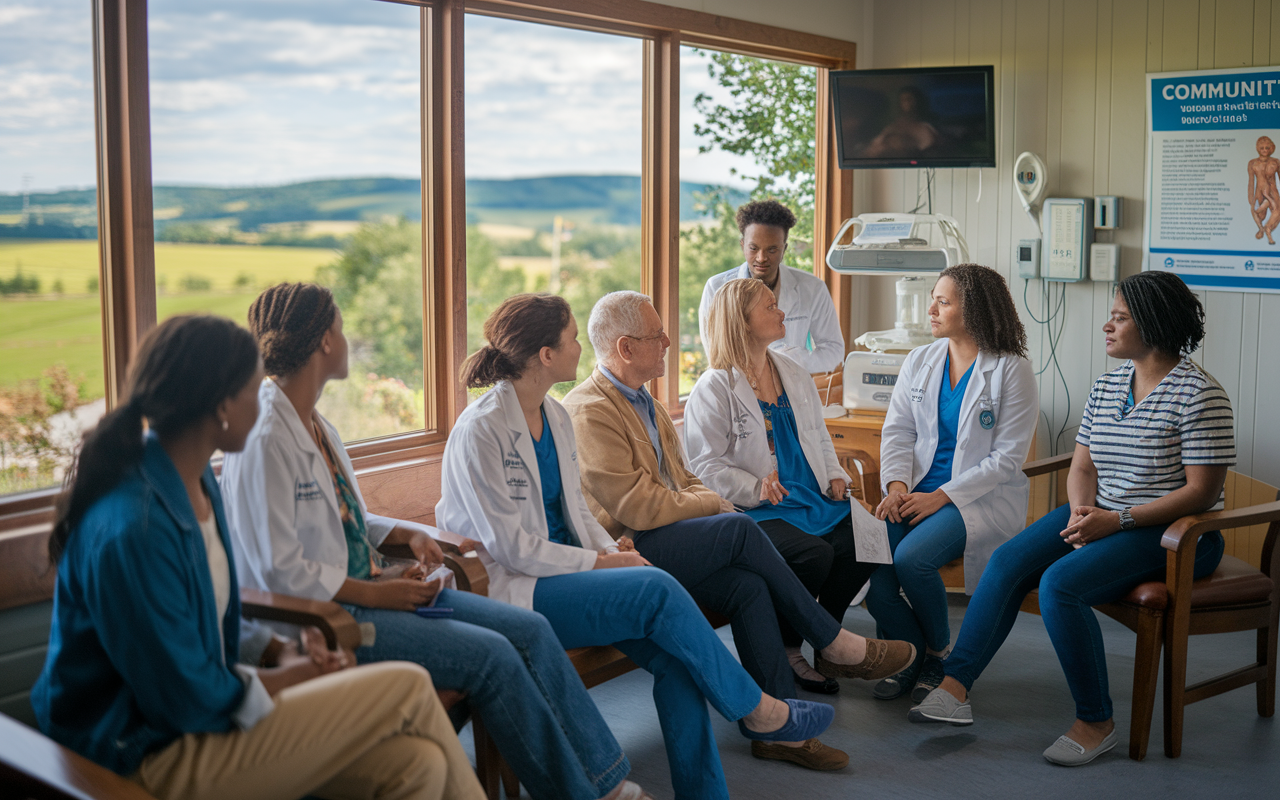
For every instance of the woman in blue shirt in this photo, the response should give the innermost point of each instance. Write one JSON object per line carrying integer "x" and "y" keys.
{"x": 142, "y": 673}
{"x": 756, "y": 436}
{"x": 960, "y": 423}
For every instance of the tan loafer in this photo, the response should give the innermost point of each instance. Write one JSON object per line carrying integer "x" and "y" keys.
{"x": 813, "y": 754}
{"x": 884, "y": 658}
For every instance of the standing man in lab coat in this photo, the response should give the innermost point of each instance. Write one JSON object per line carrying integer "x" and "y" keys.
{"x": 813, "y": 337}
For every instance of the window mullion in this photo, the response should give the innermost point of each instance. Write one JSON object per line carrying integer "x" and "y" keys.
{"x": 125, "y": 218}
{"x": 660, "y": 212}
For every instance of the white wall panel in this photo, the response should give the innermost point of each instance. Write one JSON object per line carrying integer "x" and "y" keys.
{"x": 1070, "y": 85}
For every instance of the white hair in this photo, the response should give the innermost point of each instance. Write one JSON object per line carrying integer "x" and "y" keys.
{"x": 615, "y": 315}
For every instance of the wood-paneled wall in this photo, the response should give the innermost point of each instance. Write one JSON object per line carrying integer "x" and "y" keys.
{"x": 1070, "y": 86}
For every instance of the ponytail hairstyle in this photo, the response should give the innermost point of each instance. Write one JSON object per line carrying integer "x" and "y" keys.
{"x": 289, "y": 321}
{"x": 987, "y": 309}
{"x": 515, "y": 332}
{"x": 1169, "y": 316}
{"x": 184, "y": 370}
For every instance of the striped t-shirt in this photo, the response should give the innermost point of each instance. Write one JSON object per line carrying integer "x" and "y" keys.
{"x": 1140, "y": 456}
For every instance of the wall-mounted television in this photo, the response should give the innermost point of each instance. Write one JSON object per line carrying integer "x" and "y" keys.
{"x": 920, "y": 117}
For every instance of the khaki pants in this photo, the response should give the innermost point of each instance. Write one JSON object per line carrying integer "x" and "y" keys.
{"x": 375, "y": 731}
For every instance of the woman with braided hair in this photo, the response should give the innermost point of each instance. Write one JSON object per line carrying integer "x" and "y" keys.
{"x": 296, "y": 511}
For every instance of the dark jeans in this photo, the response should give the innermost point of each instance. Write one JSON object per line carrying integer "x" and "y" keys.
{"x": 729, "y": 566}
{"x": 1071, "y": 581}
{"x": 827, "y": 566}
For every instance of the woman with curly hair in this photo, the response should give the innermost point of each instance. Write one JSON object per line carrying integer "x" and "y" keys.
{"x": 1154, "y": 445}
{"x": 959, "y": 425}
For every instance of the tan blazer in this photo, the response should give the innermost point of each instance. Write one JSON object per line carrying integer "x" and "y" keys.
{"x": 620, "y": 476}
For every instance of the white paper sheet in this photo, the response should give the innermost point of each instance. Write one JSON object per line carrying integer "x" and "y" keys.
{"x": 870, "y": 536}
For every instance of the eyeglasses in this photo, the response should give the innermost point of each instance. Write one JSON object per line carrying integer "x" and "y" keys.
{"x": 661, "y": 333}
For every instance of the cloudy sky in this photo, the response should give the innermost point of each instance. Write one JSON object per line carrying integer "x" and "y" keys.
{"x": 272, "y": 91}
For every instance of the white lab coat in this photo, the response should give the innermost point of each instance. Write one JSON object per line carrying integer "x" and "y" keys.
{"x": 726, "y": 439}
{"x": 490, "y": 491}
{"x": 282, "y": 508}
{"x": 987, "y": 484}
{"x": 807, "y": 303}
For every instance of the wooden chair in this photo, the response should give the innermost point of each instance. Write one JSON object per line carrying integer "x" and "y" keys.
{"x": 1236, "y": 597}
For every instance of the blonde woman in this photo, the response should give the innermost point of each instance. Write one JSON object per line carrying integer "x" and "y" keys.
{"x": 755, "y": 434}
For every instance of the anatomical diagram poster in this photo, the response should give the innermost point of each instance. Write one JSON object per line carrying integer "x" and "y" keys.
{"x": 1213, "y": 178}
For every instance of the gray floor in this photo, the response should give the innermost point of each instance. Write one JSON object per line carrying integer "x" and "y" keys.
{"x": 1021, "y": 705}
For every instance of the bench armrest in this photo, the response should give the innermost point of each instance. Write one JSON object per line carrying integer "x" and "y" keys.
{"x": 1045, "y": 466}
{"x": 468, "y": 573}
{"x": 340, "y": 629}
{"x": 33, "y": 765}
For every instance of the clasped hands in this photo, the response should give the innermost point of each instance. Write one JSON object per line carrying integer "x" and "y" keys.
{"x": 910, "y": 507}
{"x": 1089, "y": 524}
{"x": 625, "y": 557}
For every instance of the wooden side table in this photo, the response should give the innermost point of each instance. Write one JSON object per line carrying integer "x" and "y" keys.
{"x": 856, "y": 437}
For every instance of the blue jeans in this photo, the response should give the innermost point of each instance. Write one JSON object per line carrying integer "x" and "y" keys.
{"x": 646, "y": 614}
{"x": 517, "y": 676}
{"x": 729, "y": 566}
{"x": 918, "y": 553}
{"x": 1071, "y": 581}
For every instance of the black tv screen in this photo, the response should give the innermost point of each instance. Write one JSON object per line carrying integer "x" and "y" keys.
{"x": 922, "y": 117}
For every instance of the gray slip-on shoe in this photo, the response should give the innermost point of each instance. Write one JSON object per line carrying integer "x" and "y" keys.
{"x": 941, "y": 706}
{"x": 1068, "y": 752}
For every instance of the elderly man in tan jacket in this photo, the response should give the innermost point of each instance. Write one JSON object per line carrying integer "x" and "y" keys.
{"x": 637, "y": 485}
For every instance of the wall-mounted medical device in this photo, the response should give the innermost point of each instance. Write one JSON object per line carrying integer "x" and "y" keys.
{"x": 1104, "y": 262}
{"x": 897, "y": 244}
{"x": 1107, "y": 212}
{"x": 1068, "y": 232}
{"x": 1031, "y": 179}
{"x": 1026, "y": 254}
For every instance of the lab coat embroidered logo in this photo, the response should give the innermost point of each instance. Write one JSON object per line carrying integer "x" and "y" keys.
{"x": 987, "y": 420}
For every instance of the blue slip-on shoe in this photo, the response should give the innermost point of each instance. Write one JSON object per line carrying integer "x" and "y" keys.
{"x": 806, "y": 721}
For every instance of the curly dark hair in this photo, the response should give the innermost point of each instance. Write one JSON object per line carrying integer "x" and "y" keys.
{"x": 1168, "y": 315}
{"x": 289, "y": 320}
{"x": 990, "y": 316}
{"x": 765, "y": 212}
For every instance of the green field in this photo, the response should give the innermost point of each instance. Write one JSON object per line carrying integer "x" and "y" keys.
{"x": 37, "y": 332}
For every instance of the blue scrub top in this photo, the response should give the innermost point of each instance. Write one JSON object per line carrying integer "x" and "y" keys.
{"x": 552, "y": 490}
{"x": 949, "y": 402}
{"x": 806, "y": 507}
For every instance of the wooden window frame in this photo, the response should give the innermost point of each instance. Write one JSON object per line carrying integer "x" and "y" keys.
{"x": 125, "y": 212}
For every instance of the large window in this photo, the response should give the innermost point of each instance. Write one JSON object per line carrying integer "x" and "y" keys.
{"x": 51, "y": 365}
{"x": 422, "y": 161}
{"x": 746, "y": 132}
{"x": 553, "y": 168}
{"x": 286, "y": 144}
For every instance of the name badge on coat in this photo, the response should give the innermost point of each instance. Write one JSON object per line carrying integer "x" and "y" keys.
{"x": 987, "y": 416}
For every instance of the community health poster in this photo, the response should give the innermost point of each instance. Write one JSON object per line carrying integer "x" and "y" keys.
{"x": 1213, "y": 178}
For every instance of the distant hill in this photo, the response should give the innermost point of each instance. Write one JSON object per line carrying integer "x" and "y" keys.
{"x": 531, "y": 202}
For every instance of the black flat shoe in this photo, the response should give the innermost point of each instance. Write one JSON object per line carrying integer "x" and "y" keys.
{"x": 824, "y": 686}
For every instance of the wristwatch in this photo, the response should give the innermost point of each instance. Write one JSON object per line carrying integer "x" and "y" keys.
{"x": 1126, "y": 520}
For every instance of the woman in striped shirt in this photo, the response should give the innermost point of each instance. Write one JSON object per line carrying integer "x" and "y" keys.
{"x": 1154, "y": 445}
